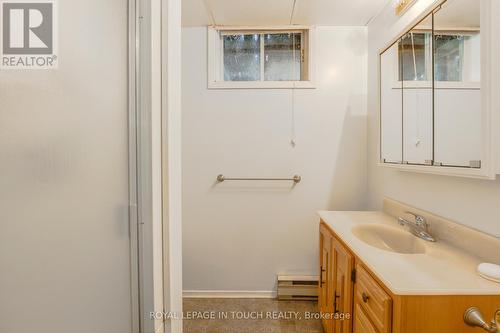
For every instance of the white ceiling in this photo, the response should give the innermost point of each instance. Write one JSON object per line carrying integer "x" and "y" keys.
{"x": 279, "y": 12}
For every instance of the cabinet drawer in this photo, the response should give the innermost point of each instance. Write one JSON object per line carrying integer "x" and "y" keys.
{"x": 376, "y": 303}
{"x": 361, "y": 322}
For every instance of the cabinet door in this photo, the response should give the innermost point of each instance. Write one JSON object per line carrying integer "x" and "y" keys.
{"x": 391, "y": 106}
{"x": 325, "y": 279}
{"x": 457, "y": 81}
{"x": 416, "y": 74}
{"x": 343, "y": 286}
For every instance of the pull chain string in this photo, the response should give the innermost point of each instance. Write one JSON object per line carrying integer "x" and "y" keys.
{"x": 414, "y": 57}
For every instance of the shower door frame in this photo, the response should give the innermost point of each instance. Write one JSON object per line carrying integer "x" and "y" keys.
{"x": 155, "y": 163}
{"x": 132, "y": 75}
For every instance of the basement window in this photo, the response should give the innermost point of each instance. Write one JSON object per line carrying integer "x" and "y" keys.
{"x": 258, "y": 58}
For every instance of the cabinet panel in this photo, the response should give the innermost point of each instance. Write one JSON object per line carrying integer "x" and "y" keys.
{"x": 326, "y": 279}
{"x": 343, "y": 264}
{"x": 417, "y": 126}
{"x": 361, "y": 322}
{"x": 336, "y": 287}
{"x": 458, "y": 124}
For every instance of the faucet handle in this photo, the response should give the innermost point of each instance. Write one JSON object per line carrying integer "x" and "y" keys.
{"x": 419, "y": 219}
{"x": 474, "y": 318}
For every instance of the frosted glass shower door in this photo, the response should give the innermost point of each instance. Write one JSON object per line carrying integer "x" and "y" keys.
{"x": 65, "y": 258}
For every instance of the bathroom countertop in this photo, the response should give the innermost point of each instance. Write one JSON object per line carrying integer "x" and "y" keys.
{"x": 442, "y": 270}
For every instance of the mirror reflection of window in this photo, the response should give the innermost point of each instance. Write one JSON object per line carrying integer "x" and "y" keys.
{"x": 457, "y": 41}
{"x": 415, "y": 49}
{"x": 456, "y": 46}
{"x": 457, "y": 57}
{"x": 449, "y": 54}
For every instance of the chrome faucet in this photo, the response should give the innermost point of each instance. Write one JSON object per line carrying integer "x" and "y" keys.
{"x": 419, "y": 227}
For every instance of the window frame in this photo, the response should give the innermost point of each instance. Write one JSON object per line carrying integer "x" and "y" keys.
{"x": 216, "y": 64}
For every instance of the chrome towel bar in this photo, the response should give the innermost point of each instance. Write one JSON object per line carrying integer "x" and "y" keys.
{"x": 296, "y": 179}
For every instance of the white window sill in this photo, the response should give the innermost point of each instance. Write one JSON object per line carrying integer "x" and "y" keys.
{"x": 261, "y": 85}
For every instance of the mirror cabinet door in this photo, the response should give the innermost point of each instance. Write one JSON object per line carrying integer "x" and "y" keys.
{"x": 416, "y": 76}
{"x": 457, "y": 91}
{"x": 391, "y": 106}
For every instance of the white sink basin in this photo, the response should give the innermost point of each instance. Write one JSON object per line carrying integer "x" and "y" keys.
{"x": 389, "y": 238}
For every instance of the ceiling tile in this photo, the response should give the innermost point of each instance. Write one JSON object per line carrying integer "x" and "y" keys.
{"x": 251, "y": 12}
{"x": 277, "y": 12}
{"x": 336, "y": 12}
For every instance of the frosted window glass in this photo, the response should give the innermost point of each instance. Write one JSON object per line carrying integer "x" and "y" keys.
{"x": 242, "y": 57}
{"x": 282, "y": 57}
{"x": 448, "y": 57}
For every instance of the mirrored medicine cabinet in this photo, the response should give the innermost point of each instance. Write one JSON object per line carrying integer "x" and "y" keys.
{"x": 433, "y": 115}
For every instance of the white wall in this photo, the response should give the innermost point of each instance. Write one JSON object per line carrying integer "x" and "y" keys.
{"x": 238, "y": 236}
{"x": 467, "y": 201}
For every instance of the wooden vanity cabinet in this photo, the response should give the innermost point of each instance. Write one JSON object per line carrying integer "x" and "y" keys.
{"x": 348, "y": 287}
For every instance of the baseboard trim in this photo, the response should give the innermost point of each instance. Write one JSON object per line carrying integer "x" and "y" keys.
{"x": 228, "y": 294}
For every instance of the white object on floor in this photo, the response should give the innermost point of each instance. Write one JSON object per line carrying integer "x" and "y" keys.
{"x": 489, "y": 271}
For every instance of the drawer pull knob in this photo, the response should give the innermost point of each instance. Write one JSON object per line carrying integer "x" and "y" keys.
{"x": 365, "y": 297}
